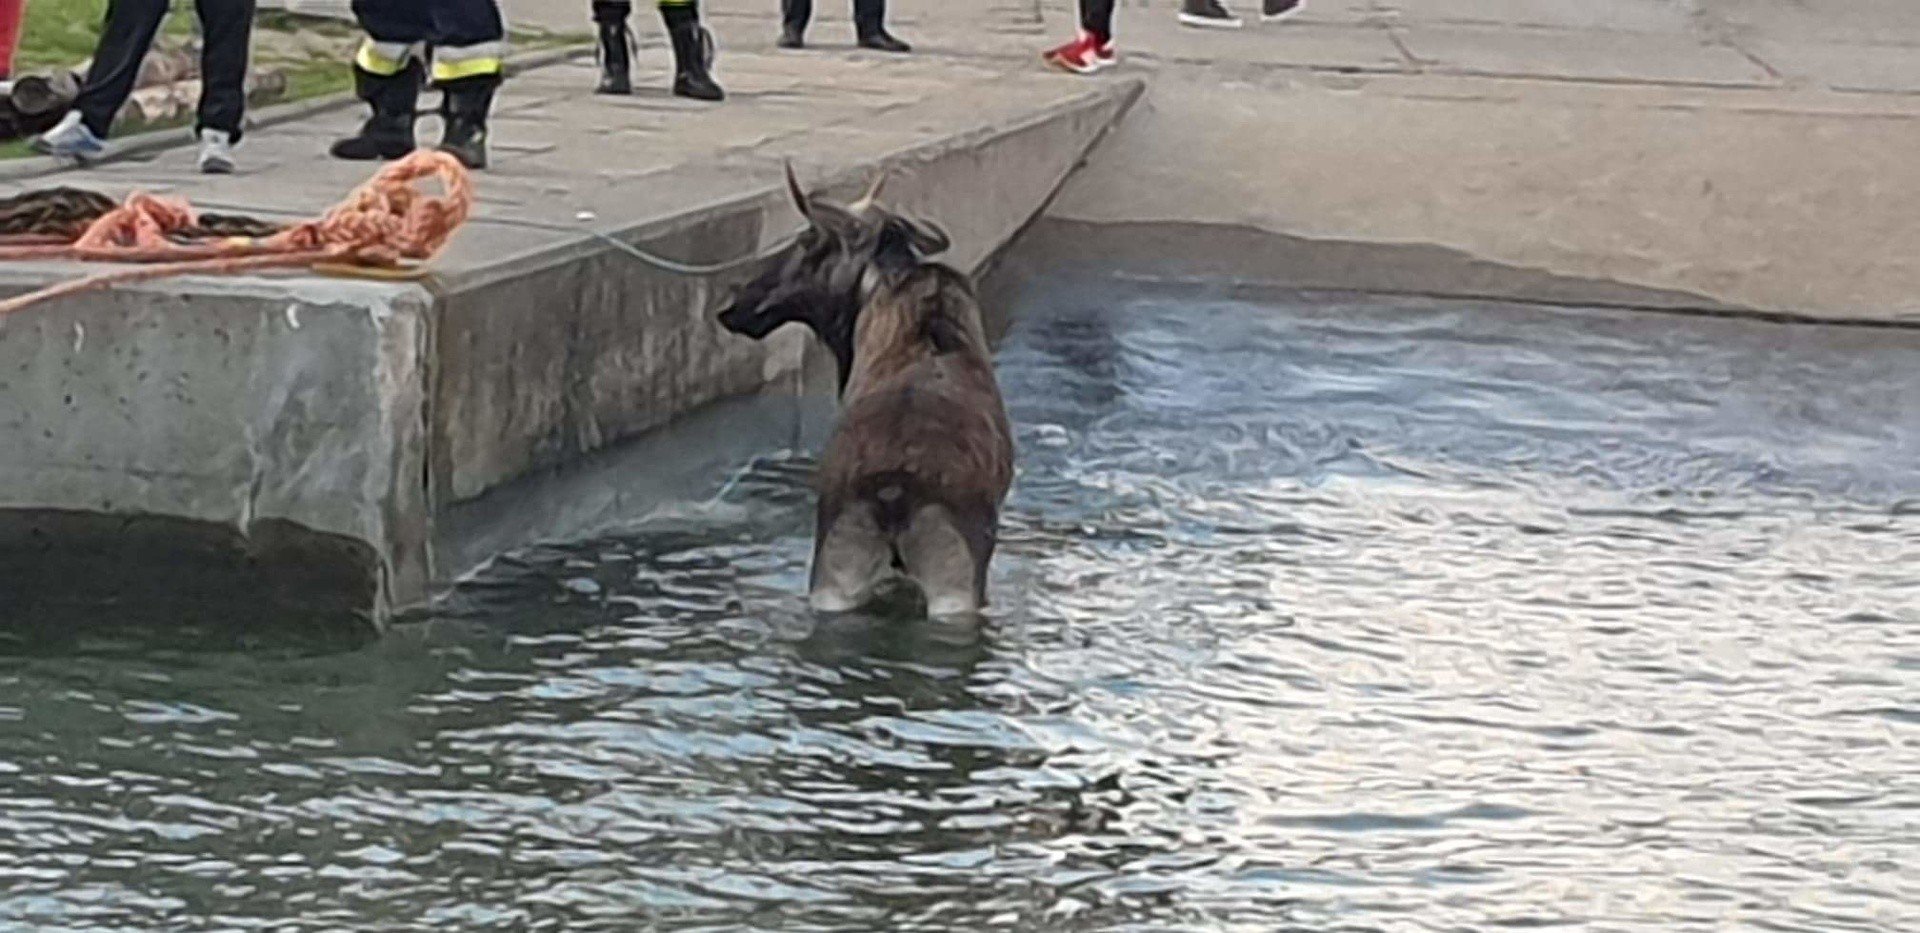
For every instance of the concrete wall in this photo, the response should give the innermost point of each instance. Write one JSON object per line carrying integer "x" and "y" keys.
{"x": 1794, "y": 204}
{"x": 384, "y": 418}
{"x": 234, "y": 402}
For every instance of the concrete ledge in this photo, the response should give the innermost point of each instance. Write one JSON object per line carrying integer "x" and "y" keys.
{"x": 234, "y": 402}
{"x": 1653, "y": 192}
{"x": 382, "y": 424}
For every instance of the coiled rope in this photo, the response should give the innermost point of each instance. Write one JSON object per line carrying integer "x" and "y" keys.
{"x": 385, "y": 224}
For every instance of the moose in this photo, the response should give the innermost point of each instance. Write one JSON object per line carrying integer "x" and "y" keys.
{"x": 922, "y": 457}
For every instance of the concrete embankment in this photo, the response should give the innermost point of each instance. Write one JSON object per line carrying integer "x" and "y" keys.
{"x": 1723, "y": 156}
{"x": 304, "y": 430}
{"x": 375, "y": 439}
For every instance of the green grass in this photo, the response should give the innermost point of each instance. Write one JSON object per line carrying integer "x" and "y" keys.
{"x": 62, "y": 33}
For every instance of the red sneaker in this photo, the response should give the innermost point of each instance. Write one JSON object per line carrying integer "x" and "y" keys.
{"x": 1105, "y": 54}
{"x": 1081, "y": 56}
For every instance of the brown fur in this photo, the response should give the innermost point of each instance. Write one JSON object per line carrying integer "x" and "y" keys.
{"x": 923, "y": 409}
{"x": 923, "y": 454}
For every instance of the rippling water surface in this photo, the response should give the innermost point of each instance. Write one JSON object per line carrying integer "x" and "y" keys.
{"x": 1314, "y": 612}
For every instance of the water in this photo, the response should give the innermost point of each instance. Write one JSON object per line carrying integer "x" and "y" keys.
{"x": 1315, "y": 613}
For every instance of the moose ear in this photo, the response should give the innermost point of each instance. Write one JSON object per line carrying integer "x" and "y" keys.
{"x": 800, "y": 200}
{"x": 927, "y": 237}
{"x": 904, "y": 243}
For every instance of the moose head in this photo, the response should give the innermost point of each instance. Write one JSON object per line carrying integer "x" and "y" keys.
{"x": 833, "y": 267}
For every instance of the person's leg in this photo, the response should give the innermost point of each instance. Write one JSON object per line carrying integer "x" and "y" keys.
{"x": 227, "y": 29}
{"x": 1096, "y": 18}
{"x": 12, "y": 13}
{"x": 124, "y": 42}
{"x": 794, "y": 17}
{"x": 616, "y": 46}
{"x": 870, "y": 27}
{"x": 387, "y": 73}
{"x": 469, "y": 60}
{"x": 692, "y": 51}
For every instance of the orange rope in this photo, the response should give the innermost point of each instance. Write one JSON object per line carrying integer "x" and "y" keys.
{"x": 384, "y": 223}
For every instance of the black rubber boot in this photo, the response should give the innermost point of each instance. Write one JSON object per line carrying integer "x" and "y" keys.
{"x": 616, "y": 59}
{"x": 692, "y": 54}
{"x": 388, "y": 133}
{"x": 465, "y": 110}
{"x": 870, "y": 25}
{"x": 794, "y": 17}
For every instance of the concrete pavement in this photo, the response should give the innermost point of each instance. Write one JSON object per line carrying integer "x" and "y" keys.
{"x": 1714, "y": 154}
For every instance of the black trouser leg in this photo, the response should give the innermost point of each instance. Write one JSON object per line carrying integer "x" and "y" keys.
{"x": 1096, "y": 17}
{"x": 227, "y": 28}
{"x": 609, "y": 12}
{"x": 869, "y": 17}
{"x": 795, "y": 15}
{"x": 124, "y": 41}
{"x": 394, "y": 21}
{"x": 466, "y": 33}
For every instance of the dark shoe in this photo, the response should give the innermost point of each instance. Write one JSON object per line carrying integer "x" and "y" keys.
{"x": 882, "y": 41}
{"x": 698, "y": 87}
{"x": 1271, "y": 10}
{"x": 379, "y": 138}
{"x": 468, "y": 102}
{"x": 616, "y": 59}
{"x": 792, "y": 38}
{"x": 1208, "y": 14}
{"x": 692, "y": 54}
{"x": 388, "y": 133}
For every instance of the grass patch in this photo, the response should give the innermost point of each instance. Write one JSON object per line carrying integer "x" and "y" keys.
{"x": 62, "y": 33}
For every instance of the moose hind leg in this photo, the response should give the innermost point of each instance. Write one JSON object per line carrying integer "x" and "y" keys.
{"x": 940, "y": 556}
{"x": 851, "y": 557}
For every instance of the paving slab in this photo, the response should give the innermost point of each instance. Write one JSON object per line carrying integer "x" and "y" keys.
{"x": 1887, "y": 69}
{"x": 1634, "y": 16}
{"x": 1589, "y": 55}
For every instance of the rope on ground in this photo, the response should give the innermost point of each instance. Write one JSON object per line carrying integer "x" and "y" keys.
{"x": 383, "y": 225}
{"x": 61, "y": 215}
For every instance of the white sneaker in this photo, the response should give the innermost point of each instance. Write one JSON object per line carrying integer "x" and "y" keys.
{"x": 216, "y": 153}
{"x": 71, "y": 140}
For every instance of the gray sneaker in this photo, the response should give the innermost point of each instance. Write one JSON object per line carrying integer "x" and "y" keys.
{"x": 216, "y": 153}
{"x": 1208, "y": 14}
{"x": 1271, "y": 10}
{"x": 70, "y": 140}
